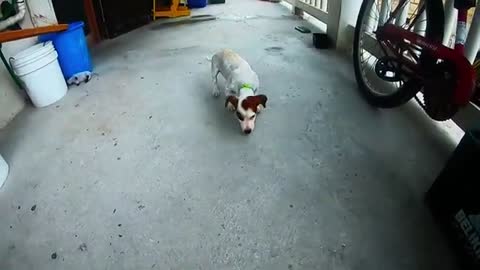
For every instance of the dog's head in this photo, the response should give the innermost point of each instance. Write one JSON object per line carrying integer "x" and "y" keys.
{"x": 246, "y": 110}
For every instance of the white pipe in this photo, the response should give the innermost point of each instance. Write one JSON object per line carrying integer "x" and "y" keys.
{"x": 384, "y": 12}
{"x": 21, "y": 10}
{"x": 372, "y": 22}
{"x": 450, "y": 21}
{"x": 403, "y": 14}
{"x": 473, "y": 39}
{"x": 421, "y": 24}
{"x": 3, "y": 171}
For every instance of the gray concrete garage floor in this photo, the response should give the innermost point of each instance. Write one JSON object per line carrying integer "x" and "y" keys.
{"x": 142, "y": 169}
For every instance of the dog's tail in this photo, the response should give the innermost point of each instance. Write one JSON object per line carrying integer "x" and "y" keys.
{"x": 208, "y": 58}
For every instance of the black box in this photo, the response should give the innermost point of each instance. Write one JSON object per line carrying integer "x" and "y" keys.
{"x": 454, "y": 199}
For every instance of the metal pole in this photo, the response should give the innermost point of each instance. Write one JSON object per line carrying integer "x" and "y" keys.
{"x": 384, "y": 12}
{"x": 420, "y": 26}
{"x": 402, "y": 17}
{"x": 450, "y": 21}
{"x": 473, "y": 39}
{"x": 372, "y": 21}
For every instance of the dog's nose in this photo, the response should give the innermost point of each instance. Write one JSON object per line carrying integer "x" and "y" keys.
{"x": 247, "y": 131}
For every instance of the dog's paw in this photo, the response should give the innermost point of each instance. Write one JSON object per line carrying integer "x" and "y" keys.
{"x": 215, "y": 93}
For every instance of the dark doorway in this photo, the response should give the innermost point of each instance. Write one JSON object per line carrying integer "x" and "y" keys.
{"x": 68, "y": 11}
{"x": 120, "y": 16}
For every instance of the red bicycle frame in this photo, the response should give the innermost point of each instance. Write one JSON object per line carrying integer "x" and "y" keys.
{"x": 397, "y": 39}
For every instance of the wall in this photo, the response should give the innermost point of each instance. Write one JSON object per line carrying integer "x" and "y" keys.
{"x": 39, "y": 13}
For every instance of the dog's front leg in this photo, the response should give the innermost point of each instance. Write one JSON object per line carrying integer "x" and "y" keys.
{"x": 230, "y": 90}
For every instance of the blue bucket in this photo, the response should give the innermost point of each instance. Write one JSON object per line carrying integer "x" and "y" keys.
{"x": 72, "y": 49}
{"x": 197, "y": 3}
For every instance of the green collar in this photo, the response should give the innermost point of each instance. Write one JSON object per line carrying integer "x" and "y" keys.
{"x": 246, "y": 85}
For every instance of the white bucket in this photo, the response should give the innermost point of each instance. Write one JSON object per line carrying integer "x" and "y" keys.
{"x": 40, "y": 72}
{"x": 3, "y": 171}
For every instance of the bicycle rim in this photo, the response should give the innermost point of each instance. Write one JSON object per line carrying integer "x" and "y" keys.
{"x": 409, "y": 14}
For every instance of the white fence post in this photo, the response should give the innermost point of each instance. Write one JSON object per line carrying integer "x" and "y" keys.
{"x": 421, "y": 24}
{"x": 334, "y": 9}
{"x": 473, "y": 39}
{"x": 402, "y": 17}
{"x": 450, "y": 21}
{"x": 384, "y": 12}
{"x": 329, "y": 15}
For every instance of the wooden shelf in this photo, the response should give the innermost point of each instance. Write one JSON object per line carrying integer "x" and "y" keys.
{"x": 32, "y": 32}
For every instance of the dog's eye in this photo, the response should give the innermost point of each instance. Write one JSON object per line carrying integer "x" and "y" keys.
{"x": 239, "y": 116}
{"x": 252, "y": 117}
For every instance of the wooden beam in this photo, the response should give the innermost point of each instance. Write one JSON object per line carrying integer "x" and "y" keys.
{"x": 92, "y": 21}
{"x": 32, "y": 32}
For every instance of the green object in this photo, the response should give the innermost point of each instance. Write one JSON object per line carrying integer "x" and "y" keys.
{"x": 216, "y": 1}
{"x": 246, "y": 85}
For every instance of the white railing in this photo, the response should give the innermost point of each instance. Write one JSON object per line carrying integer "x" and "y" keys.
{"x": 326, "y": 11}
{"x": 319, "y": 4}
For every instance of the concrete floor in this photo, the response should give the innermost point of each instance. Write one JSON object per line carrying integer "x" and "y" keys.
{"x": 142, "y": 169}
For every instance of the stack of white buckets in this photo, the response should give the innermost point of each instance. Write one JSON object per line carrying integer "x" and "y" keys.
{"x": 38, "y": 68}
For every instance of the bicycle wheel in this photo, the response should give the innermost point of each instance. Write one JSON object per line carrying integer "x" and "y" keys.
{"x": 424, "y": 17}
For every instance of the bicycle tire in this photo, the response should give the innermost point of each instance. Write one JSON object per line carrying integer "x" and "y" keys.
{"x": 434, "y": 31}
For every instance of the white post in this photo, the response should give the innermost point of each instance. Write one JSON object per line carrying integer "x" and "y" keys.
{"x": 348, "y": 17}
{"x": 3, "y": 171}
{"x": 450, "y": 21}
{"x": 473, "y": 39}
{"x": 421, "y": 24}
{"x": 384, "y": 12}
{"x": 372, "y": 21}
{"x": 334, "y": 9}
{"x": 323, "y": 5}
{"x": 402, "y": 16}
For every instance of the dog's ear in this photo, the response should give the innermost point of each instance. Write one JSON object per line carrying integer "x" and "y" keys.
{"x": 231, "y": 103}
{"x": 261, "y": 101}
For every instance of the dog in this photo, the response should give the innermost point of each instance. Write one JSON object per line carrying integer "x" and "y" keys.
{"x": 242, "y": 84}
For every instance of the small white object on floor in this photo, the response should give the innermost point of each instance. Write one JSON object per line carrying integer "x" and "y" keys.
{"x": 3, "y": 171}
{"x": 80, "y": 77}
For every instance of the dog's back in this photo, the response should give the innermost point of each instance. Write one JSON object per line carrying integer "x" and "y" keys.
{"x": 233, "y": 67}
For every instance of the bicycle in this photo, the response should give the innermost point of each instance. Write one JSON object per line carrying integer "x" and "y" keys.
{"x": 398, "y": 53}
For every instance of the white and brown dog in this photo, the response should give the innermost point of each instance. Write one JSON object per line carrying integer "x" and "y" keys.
{"x": 241, "y": 87}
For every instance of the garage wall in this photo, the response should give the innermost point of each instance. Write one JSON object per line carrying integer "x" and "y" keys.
{"x": 39, "y": 13}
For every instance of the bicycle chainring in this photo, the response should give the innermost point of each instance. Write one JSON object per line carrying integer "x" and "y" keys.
{"x": 438, "y": 92}
{"x": 388, "y": 69}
